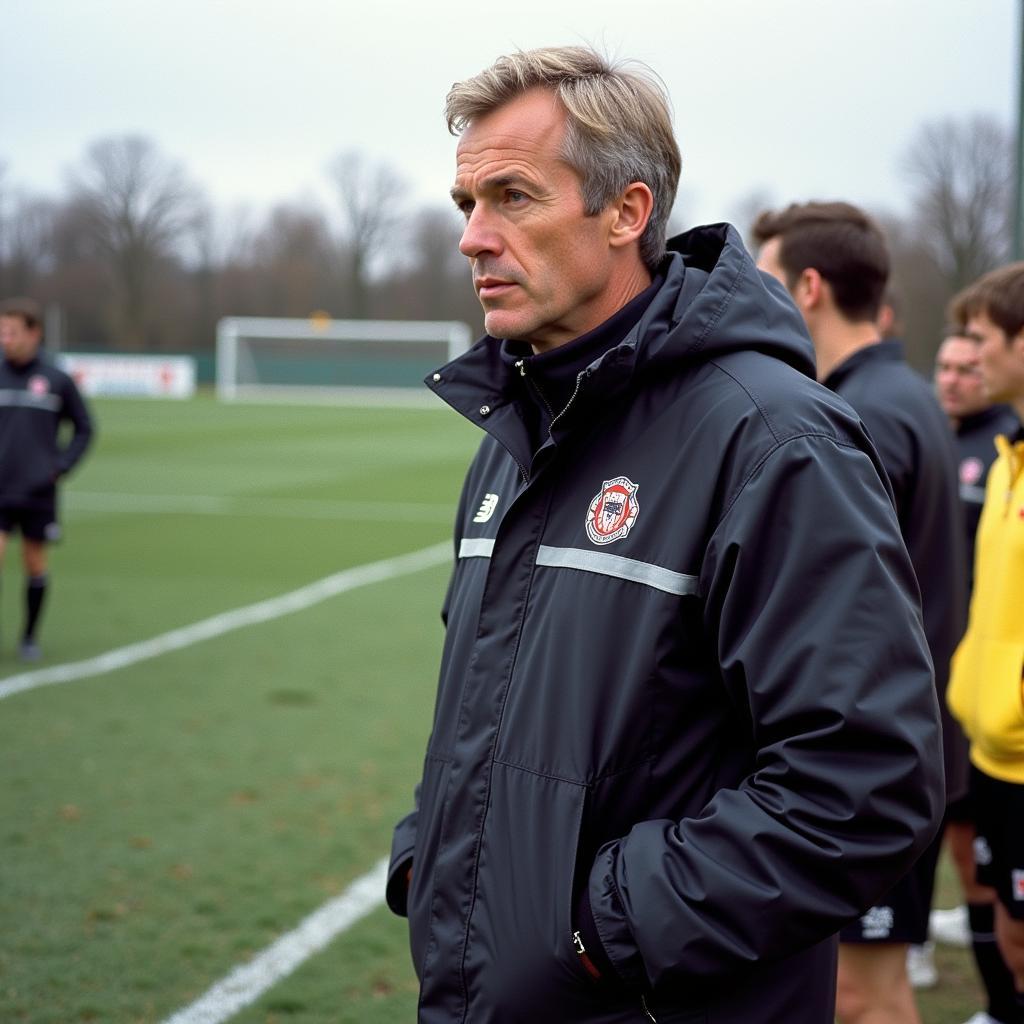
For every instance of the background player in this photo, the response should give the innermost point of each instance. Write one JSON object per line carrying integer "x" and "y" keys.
{"x": 35, "y": 397}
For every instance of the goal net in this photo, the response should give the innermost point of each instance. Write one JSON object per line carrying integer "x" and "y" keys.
{"x": 370, "y": 360}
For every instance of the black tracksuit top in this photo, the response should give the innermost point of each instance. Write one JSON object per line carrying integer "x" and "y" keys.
{"x": 916, "y": 445}
{"x": 684, "y": 671}
{"x": 35, "y": 398}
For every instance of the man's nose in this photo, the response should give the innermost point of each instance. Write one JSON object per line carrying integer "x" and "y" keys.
{"x": 480, "y": 237}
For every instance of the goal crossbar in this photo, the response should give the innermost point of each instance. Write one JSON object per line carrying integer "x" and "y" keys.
{"x": 234, "y": 334}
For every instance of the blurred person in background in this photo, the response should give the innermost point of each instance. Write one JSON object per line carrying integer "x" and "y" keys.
{"x": 833, "y": 260}
{"x": 35, "y": 399}
{"x": 685, "y": 724}
{"x": 976, "y": 422}
{"x": 986, "y": 691}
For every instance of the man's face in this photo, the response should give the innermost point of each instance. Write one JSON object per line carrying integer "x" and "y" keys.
{"x": 19, "y": 341}
{"x": 958, "y": 383}
{"x": 1001, "y": 360}
{"x": 541, "y": 266}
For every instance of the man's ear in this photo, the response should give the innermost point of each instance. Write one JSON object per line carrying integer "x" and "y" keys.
{"x": 810, "y": 290}
{"x": 630, "y": 214}
{"x": 1017, "y": 343}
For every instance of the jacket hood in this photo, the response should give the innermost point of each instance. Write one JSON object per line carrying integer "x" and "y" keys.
{"x": 714, "y": 301}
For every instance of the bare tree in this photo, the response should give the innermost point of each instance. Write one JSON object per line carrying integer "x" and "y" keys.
{"x": 138, "y": 205}
{"x": 963, "y": 177}
{"x": 371, "y": 199}
{"x": 27, "y": 244}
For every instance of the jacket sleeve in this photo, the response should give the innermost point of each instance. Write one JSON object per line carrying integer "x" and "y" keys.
{"x": 811, "y": 608}
{"x": 75, "y": 410}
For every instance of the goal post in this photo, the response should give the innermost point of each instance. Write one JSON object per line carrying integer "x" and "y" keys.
{"x": 375, "y": 360}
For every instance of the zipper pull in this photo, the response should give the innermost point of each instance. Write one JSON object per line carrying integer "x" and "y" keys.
{"x": 520, "y": 365}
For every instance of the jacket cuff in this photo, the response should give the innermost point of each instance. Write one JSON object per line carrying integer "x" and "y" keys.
{"x": 397, "y": 892}
{"x": 583, "y": 922}
{"x": 609, "y": 918}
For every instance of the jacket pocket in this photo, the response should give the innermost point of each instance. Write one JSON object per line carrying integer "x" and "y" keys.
{"x": 520, "y": 954}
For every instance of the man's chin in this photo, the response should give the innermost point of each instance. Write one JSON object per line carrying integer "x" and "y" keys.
{"x": 502, "y": 324}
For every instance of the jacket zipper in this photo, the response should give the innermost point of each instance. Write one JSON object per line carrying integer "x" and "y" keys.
{"x": 643, "y": 1003}
{"x": 572, "y": 398}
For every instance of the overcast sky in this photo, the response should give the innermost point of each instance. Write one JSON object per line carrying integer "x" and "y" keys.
{"x": 798, "y": 98}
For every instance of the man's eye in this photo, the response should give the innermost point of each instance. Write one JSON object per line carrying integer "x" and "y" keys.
{"x": 514, "y": 196}
{"x": 465, "y": 207}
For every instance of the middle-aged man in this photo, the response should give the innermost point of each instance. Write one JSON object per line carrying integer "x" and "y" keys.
{"x": 686, "y": 724}
{"x": 986, "y": 690}
{"x": 976, "y": 423}
{"x": 834, "y": 261}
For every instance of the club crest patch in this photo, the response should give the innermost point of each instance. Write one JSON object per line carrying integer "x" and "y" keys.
{"x": 613, "y": 511}
{"x": 38, "y": 385}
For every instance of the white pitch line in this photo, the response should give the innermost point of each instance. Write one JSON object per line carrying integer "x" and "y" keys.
{"x": 78, "y": 502}
{"x": 226, "y": 622}
{"x": 246, "y": 983}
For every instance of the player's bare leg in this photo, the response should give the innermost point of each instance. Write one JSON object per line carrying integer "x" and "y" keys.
{"x": 1010, "y": 935}
{"x": 873, "y": 987}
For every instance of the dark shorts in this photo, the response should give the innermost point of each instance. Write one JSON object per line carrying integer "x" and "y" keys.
{"x": 901, "y": 915}
{"x": 34, "y": 523}
{"x": 999, "y": 840}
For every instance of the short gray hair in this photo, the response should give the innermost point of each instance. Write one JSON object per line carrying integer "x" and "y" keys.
{"x": 618, "y": 124}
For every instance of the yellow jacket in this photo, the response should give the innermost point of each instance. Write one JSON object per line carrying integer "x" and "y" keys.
{"x": 986, "y": 692}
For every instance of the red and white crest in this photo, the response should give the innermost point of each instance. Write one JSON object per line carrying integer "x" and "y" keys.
{"x": 1018, "y": 884}
{"x": 971, "y": 470}
{"x": 38, "y": 385}
{"x": 613, "y": 511}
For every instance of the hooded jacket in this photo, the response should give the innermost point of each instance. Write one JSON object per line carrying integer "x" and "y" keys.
{"x": 684, "y": 685}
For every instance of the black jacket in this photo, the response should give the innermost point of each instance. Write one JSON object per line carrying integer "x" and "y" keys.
{"x": 684, "y": 671}
{"x": 916, "y": 445}
{"x": 35, "y": 397}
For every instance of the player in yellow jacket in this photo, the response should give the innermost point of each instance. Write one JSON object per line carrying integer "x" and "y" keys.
{"x": 986, "y": 690}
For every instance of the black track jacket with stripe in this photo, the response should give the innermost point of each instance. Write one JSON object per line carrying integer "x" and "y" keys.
{"x": 35, "y": 397}
{"x": 684, "y": 668}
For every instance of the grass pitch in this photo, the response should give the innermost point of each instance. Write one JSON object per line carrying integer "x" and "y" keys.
{"x": 163, "y": 823}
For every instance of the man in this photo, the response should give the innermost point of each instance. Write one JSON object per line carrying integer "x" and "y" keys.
{"x": 976, "y": 423}
{"x": 986, "y": 691}
{"x": 833, "y": 260}
{"x": 35, "y": 397}
{"x": 686, "y": 724}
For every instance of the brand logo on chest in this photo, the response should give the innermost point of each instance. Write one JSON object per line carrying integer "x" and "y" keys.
{"x": 613, "y": 511}
{"x": 38, "y": 386}
{"x": 487, "y": 507}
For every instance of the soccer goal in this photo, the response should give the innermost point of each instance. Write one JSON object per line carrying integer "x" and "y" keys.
{"x": 375, "y": 361}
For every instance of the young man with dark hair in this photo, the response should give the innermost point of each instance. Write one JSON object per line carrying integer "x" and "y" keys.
{"x": 685, "y": 723}
{"x": 35, "y": 398}
{"x": 834, "y": 262}
{"x": 986, "y": 691}
{"x": 976, "y": 422}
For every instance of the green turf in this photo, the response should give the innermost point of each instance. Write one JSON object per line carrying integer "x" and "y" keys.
{"x": 162, "y": 823}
